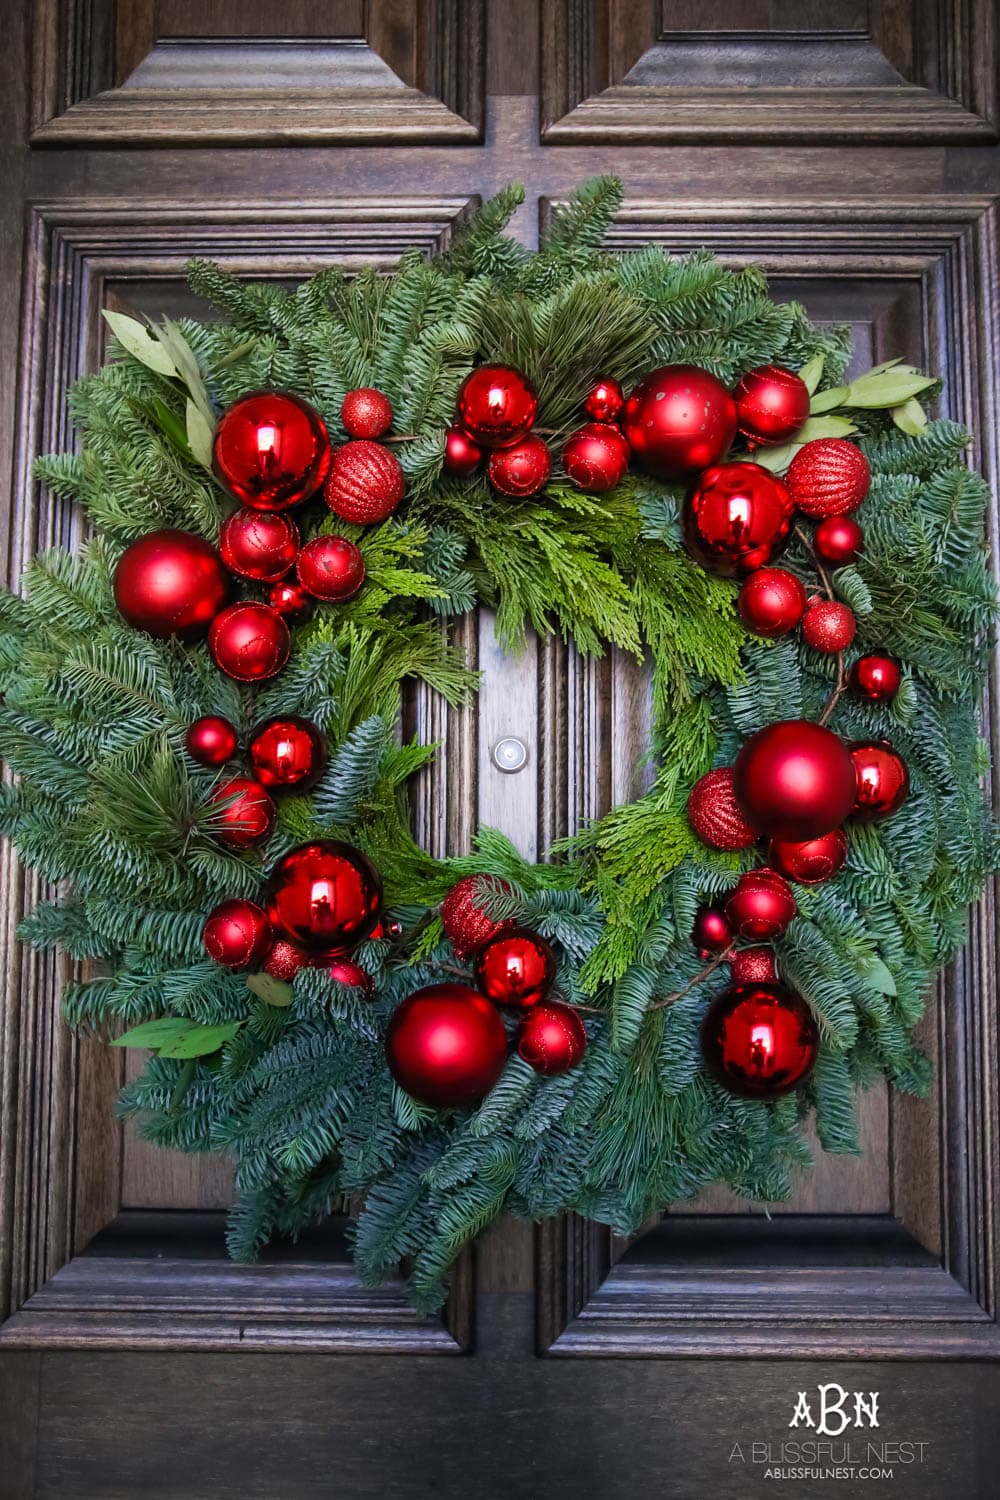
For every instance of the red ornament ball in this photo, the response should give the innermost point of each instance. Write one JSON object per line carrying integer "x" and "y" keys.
{"x": 714, "y": 813}
{"x": 839, "y": 540}
{"x": 259, "y": 544}
{"x": 170, "y": 583}
{"x": 551, "y": 1038}
{"x": 876, "y": 677}
{"x": 753, "y": 966}
{"x": 596, "y": 457}
{"x": 446, "y": 1046}
{"x": 605, "y": 401}
{"x": 211, "y": 741}
{"x": 331, "y": 567}
{"x": 237, "y": 934}
{"x": 291, "y": 602}
{"x": 794, "y": 780}
{"x": 759, "y": 1041}
{"x": 882, "y": 779}
{"x": 829, "y": 626}
{"x": 288, "y": 754}
{"x": 737, "y": 518}
{"x": 284, "y": 961}
{"x": 246, "y": 812}
{"x": 365, "y": 484}
{"x": 522, "y": 469}
{"x": 761, "y": 906}
{"x": 466, "y": 924}
{"x": 516, "y": 967}
{"x": 772, "y": 403}
{"x": 810, "y": 862}
{"x": 711, "y": 932}
{"x": 828, "y": 477}
{"x": 771, "y": 602}
{"x": 324, "y": 896}
{"x": 462, "y": 456}
{"x": 271, "y": 450}
{"x": 678, "y": 420}
{"x": 249, "y": 642}
{"x": 346, "y": 971}
{"x": 366, "y": 413}
{"x": 497, "y": 406}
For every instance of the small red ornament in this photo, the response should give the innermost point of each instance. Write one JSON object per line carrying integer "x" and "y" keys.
{"x": 271, "y": 450}
{"x": 346, "y": 971}
{"x": 828, "y": 477}
{"x": 365, "y": 484}
{"x": 794, "y": 780}
{"x": 259, "y": 544}
{"x": 839, "y": 540}
{"x": 711, "y": 932}
{"x": 366, "y": 413}
{"x": 522, "y": 469}
{"x": 249, "y": 816}
{"x": 771, "y": 602}
{"x": 466, "y": 924}
{"x": 714, "y": 813}
{"x": 810, "y": 862}
{"x": 882, "y": 779}
{"x": 753, "y": 966}
{"x": 496, "y": 406}
{"x": 288, "y": 754}
{"x": 291, "y": 601}
{"x": 596, "y": 457}
{"x": 829, "y": 626}
{"x": 462, "y": 456}
{"x": 761, "y": 906}
{"x": 331, "y": 567}
{"x": 237, "y": 934}
{"x": 759, "y": 1041}
{"x": 515, "y": 968}
{"x": 249, "y": 642}
{"x": 324, "y": 896}
{"x": 551, "y": 1038}
{"x": 211, "y": 741}
{"x": 876, "y": 677}
{"x": 605, "y": 401}
{"x": 284, "y": 961}
{"x": 678, "y": 420}
{"x": 737, "y": 517}
{"x": 446, "y": 1046}
{"x": 170, "y": 583}
{"x": 771, "y": 404}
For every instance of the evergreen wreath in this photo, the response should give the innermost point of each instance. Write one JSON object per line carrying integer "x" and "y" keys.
{"x": 289, "y": 1077}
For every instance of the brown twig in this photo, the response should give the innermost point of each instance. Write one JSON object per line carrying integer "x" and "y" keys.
{"x": 720, "y": 958}
{"x": 825, "y": 580}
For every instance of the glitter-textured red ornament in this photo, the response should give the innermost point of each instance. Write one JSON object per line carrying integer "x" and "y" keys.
{"x": 828, "y": 477}
{"x": 771, "y": 404}
{"x": 522, "y": 469}
{"x": 794, "y": 780}
{"x": 288, "y": 754}
{"x": 466, "y": 924}
{"x": 839, "y": 540}
{"x": 284, "y": 960}
{"x": 170, "y": 583}
{"x": 810, "y": 862}
{"x": 737, "y": 517}
{"x": 515, "y": 968}
{"x": 462, "y": 456}
{"x": 259, "y": 544}
{"x": 249, "y": 816}
{"x": 760, "y": 906}
{"x": 366, "y": 413}
{"x": 715, "y": 815}
{"x": 828, "y": 625}
{"x": 551, "y": 1038}
{"x": 753, "y": 966}
{"x": 605, "y": 401}
{"x": 771, "y": 602}
{"x": 882, "y": 779}
{"x": 271, "y": 450}
{"x": 249, "y": 642}
{"x": 365, "y": 484}
{"x": 346, "y": 971}
{"x": 446, "y": 1046}
{"x": 759, "y": 1041}
{"x": 331, "y": 567}
{"x": 237, "y": 934}
{"x": 291, "y": 601}
{"x": 711, "y": 932}
{"x": 678, "y": 420}
{"x": 496, "y": 406}
{"x": 876, "y": 677}
{"x": 596, "y": 457}
{"x": 211, "y": 740}
{"x": 324, "y": 896}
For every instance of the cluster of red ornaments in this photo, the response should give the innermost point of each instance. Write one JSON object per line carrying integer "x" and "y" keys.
{"x": 284, "y": 754}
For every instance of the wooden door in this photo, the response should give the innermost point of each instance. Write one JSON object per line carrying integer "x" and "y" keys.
{"x": 849, "y": 146}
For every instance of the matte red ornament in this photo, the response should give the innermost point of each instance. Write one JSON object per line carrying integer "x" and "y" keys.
{"x": 551, "y": 1038}
{"x": 346, "y": 971}
{"x": 794, "y": 780}
{"x": 365, "y": 484}
{"x": 839, "y": 540}
{"x": 462, "y": 456}
{"x": 259, "y": 544}
{"x": 772, "y": 403}
{"x": 466, "y": 924}
{"x": 771, "y": 602}
{"x": 249, "y": 816}
{"x": 284, "y": 960}
{"x": 678, "y": 420}
{"x": 711, "y": 932}
{"x": 288, "y": 754}
{"x": 271, "y": 450}
{"x": 291, "y": 601}
{"x": 211, "y": 740}
{"x": 715, "y": 815}
{"x": 761, "y": 906}
{"x": 170, "y": 583}
{"x": 829, "y": 626}
{"x": 446, "y": 1046}
{"x": 753, "y": 966}
{"x": 810, "y": 862}
{"x": 237, "y": 934}
{"x": 331, "y": 567}
{"x": 759, "y": 1041}
{"x": 366, "y": 413}
{"x": 249, "y": 642}
{"x": 496, "y": 406}
{"x": 828, "y": 477}
{"x": 324, "y": 896}
{"x": 515, "y": 968}
{"x": 882, "y": 779}
{"x": 737, "y": 517}
{"x": 522, "y": 469}
{"x": 596, "y": 457}
{"x": 605, "y": 401}
{"x": 876, "y": 677}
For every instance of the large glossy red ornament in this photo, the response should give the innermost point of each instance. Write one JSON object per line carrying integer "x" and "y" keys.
{"x": 678, "y": 420}
{"x": 324, "y": 896}
{"x": 366, "y": 413}
{"x": 812, "y": 861}
{"x": 794, "y": 780}
{"x": 288, "y": 754}
{"x": 596, "y": 457}
{"x": 711, "y": 932}
{"x": 605, "y": 401}
{"x": 170, "y": 583}
{"x": 331, "y": 567}
{"x": 839, "y": 540}
{"x": 715, "y": 815}
{"x": 829, "y": 626}
{"x": 551, "y": 1038}
{"x": 772, "y": 403}
{"x": 753, "y": 966}
{"x": 876, "y": 677}
{"x": 249, "y": 642}
{"x": 515, "y": 968}
{"x": 771, "y": 602}
{"x": 497, "y": 406}
{"x": 271, "y": 450}
{"x": 466, "y": 923}
{"x": 259, "y": 544}
{"x": 761, "y": 906}
{"x": 882, "y": 779}
{"x": 737, "y": 517}
{"x": 520, "y": 470}
{"x": 211, "y": 740}
{"x": 237, "y": 934}
{"x": 759, "y": 1041}
{"x": 462, "y": 456}
{"x": 245, "y": 814}
{"x": 446, "y": 1046}
{"x": 291, "y": 601}
{"x": 365, "y": 484}
{"x": 828, "y": 477}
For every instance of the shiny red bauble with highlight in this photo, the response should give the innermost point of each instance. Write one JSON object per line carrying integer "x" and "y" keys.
{"x": 839, "y": 540}
{"x": 446, "y": 1046}
{"x": 365, "y": 484}
{"x": 737, "y": 518}
{"x": 515, "y": 968}
{"x": 211, "y": 740}
{"x": 245, "y": 812}
{"x": 605, "y": 401}
{"x": 828, "y": 625}
{"x": 761, "y": 906}
{"x": 288, "y": 754}
{"x": 249, "y": 642}
{"x": 237, "y": 934}
{"x": 331, "y": 568}
{"x": 346, "y": 971}
{"x": 810, "y": 862}
{"x": 466, "y": 924}
{"x": 291, "y": 601}
{"x": 794, "y": 780}
{"x": 170, "y": 583}
{"x": 771, "y": 602}
{"x": 759, "y": 1041}
{"x": 324, "y": 896}
{"x": 711, "y": 932}
{"x": 772, "y": 403}
{"x": 496, "y": 406}
{"x": 462, "y": 456}
{"x": 596, "y": 457}
{"x": 715, "y": 815}
{"x": 284, "y": 961}
{"x": 520, "y": 470}
{"x": 271, "y": 450}
{"x": 828, "y": 477}
{"x": 259, "y": 544}
{"x": 882, "y": 780}
{"x": 366, "y": 413}
{"x": 678, "y": 420}
{"x": 551, "y": 1038}
{"x": 753, "y": 966}
{"x": 876, "y": 677}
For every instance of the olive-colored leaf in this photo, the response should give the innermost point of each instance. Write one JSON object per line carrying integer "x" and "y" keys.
{"x": 199, "y": 434}
{"x": 272, "y": 991}
{"x": 153, "y": 1033}
{"x": 184, "y": 357}
{"x": 198, "y": 1041}
{"x": 879, "y": 977}
{"x": 811, "y": 373}
{"x": 827, "y": 400}
{"x": 778, "y": 459}
{"x": 910, "y": 417}
{"x": 136, "y": 339}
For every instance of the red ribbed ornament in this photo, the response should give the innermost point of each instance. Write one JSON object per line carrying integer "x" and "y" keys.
{"x": 771, "y": 602}
{"x": 249, "y": 816}
{"x": 237, "y": 934}
{"x": 365, "y": 484}
{"x": 466, "y": 924}
{"x": 596, "y": 457}
{"x": 366, "y": 413}
{"x": 259, "y": 544}
{"x": 829, "y": 626}
{"x": 715, "y": 815}
{"x": 521, "y": 469}
{"x": 271, "y": 450}
{"x": 170, "y": 583}
{"x": 331, "y": 568}
{"x": 761, "y": 906}
{"x": 446, "y": 1046}
{"x": 828, "y": 477}
{"x": 810, "y": 862}
{"x": 211, "y": 740}
{"x": 497, "y": 406}
{"x": 551, "y": 1038}
{"x": 678, "y": 420}
{"x": 759, "y": 1041}
{"x": 515, "y": 967}
{"x": 249, "y": 642}
{"x": 737, "y": 517}
{"x": 794, "y": 780}
{"x": 772, "y": 403}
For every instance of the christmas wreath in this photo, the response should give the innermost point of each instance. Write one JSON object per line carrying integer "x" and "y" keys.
{"x": 201, "y": 709}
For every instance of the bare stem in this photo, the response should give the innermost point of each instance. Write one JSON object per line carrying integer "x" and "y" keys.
{"x": 720, "y": 958}
{"x": 835, "y": 696}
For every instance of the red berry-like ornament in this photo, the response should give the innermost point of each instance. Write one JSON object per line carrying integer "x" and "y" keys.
{"x": 605, "y": 401}
{"x": 259, "y": 544}
{"x": 829, "y": 626}
{"x": 496, "y": 406}
{"x": 876, "y": 677}
{"x": 515, "y": 968}
{"x": 366, "y": 413}
{"x": 753, "y": 966}
{"x": 365, "y": 484}
{"x": 246, "y": 812}
{"x": 551, "y": 1038}
{"x": 759, "y": 1041}
{"x": 596, "y": 457}
{"x": 271, "y": 450}
{"x": 211, "y": 741}
{"x": 288, "y": 754}
{"x": 284, "y": 960}
{"x": 715, "y": 815}
{"x": 346, "y": 971}
{"x": 249, "y": 642}
{"x": 771, "y": 602}
{"x": 237, "y": 934}
{"x": 331, "y": 567}
{"x": 678, "y": 420}
{"x": 761, "y": 906}
{"x": 828, "y": 477}
{"x": 324, "y": 896}
{"x": 462, "y": 456}
{"x": 170, "y": 583}
{"x": 466, "y": 924}
{"x": 737, "y": 517}
{"x": 794, "y": 780}
{"x": 882, "y": 780}
{"x": 520, "y": 470}
{"x": 446, "y": 1046}
{"x": 291, "y": 602}
{"x": 772, "y": 403}
{"x": 839, "y": 540}
{"x": 711, "y": 932}
{"x": 810, "y": 862}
